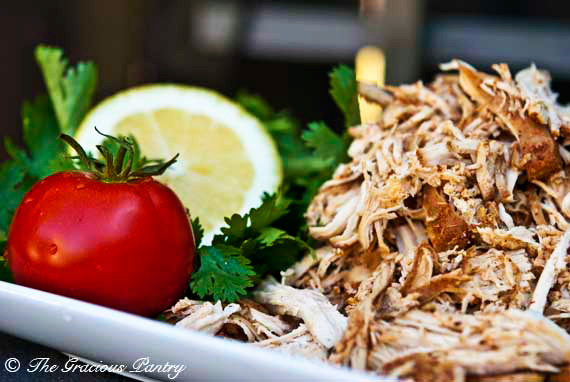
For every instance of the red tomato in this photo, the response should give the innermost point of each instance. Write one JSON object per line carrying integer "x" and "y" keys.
{"x": 128, "y": 246}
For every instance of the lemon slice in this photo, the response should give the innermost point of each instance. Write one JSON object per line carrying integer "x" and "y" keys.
{"x": 227, "y": 159}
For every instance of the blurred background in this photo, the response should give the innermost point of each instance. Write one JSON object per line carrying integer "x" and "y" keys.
{"x": 281, "y": 49}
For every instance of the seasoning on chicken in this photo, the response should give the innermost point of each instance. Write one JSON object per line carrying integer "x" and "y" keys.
{"x": 444, "y": 240}
{"x": 445, "y": 228}
{"x": 474, "y": 163}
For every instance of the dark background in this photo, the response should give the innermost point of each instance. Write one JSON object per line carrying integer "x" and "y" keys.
{"x": 279, "y": 49}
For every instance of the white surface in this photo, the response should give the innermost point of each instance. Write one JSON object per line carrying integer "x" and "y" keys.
{"x": 112, "y": 337}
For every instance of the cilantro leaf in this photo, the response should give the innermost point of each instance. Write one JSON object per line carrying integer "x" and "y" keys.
{"x": 239, "y": 228}
{"x": 327, "y": 144}
{"x": 40, "y": 134}
{"x": 270, "y": 235}
{"x": 64, "y": 162}
{"x": 297, "y": 158}
{"x": 5, "y": 274}
{"x": 275, "y": 258}
{"x": 252, "y": 241}
{"x": 224, "y": 273}
{"x": 270, "y": 238}
{"x": 198, "y": 231}
{"x": 255, "y": 105}
{"x": 236, "y": 227}
{"x": 249, "y": 247}
{"x": 10, "y": 193}
{"x": 70, "y": 88}
{"x": 273, "y": 207}
{"x": 343, "y": 89}
{"x": 2, "y": 243}
{"x": 39, "y": 127}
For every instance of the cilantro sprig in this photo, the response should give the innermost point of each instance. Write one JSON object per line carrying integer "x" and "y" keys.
{"x": 272, "y": 237}
{"x": 69, "y": 96}
{"x": 224, "y": 273}
{"x": 343, "y": 89}
{"x": 70, "y": 91}
{"x": 249, "y": 247}
{"x": 70, "y": 88}
{"x": 4, "y": 271}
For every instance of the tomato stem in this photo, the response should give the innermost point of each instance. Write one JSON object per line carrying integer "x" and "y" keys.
{"x": 78, "y": 149}
{"x": 113, "y": 167}
{"x": 120, "y": 159}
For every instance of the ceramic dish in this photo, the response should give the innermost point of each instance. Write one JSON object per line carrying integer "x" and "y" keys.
{"x": 115, "y": 338}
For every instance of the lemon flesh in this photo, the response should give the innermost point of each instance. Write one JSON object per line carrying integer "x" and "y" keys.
{"x": 227, "y": 159}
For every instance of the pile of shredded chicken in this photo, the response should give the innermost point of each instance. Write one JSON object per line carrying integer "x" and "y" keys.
{"x": 444, "y": 240}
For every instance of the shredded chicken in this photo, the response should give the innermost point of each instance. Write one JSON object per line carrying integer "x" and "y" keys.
{"x": 323, "y": 320}
{"x": 299, "y": 342}
{"x": 556, "y": 263}
{"x": 443, "y": 241}
{"x": 479, "y": 344}
{"x": 205, "y": 316}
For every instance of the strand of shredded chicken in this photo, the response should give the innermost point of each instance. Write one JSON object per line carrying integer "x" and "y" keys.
{"x": 444, "y": 239}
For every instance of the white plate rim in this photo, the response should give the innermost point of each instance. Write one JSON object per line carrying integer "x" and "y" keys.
{"x": 109, "y": 336}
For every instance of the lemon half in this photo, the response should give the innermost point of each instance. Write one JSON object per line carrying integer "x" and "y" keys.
{"x": 227, "y": 159}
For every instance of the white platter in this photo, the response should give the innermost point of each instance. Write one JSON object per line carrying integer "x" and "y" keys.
{"x": 116, "y": 338}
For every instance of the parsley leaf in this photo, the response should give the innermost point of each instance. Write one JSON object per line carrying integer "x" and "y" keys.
{"x": 269, "y": 235}
{"x": 273, "y": 207}
{"x": 40, "y": 132}
{"x": 198, "y": 231}
{"x": 255, "y": 105}
{"x": 235, "y": 230}
{"x": 5, "y": 274}
{"x": 327, "y": 144}
{"x": 42, "y": 142}
{"x": 297, "y": 158}
{"x": 70, "y": 88}
{"x": 4, "y": 270}
{"x": 240, "y": 228}
{"x": 224, "y": 273}
{"x": 2, "y": 244}
{"x": 271, "y": 260}
{"x": 11, "y": 193}
{"x": 343, "y": 89}
{"x": 269, "y": 238}
{"x": 256, "y": 246}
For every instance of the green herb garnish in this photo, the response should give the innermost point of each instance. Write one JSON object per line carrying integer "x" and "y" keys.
{"x": 70, "y": 90}
{"x": 272, "y": 237}
{"x": 343, "y": 89}
{"x": 245, "y": 251}
{"x": 266, "y": 240}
